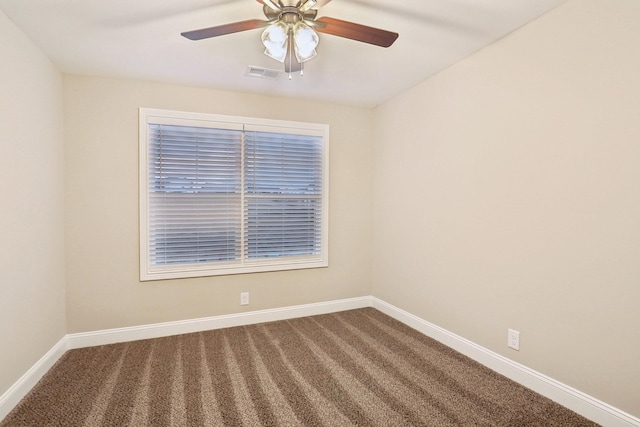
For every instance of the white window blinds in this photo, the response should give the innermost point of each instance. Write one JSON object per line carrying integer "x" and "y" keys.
{"x": 194, "y": 194}
{"x": 231, "y": 196}
{"x": 283, "y": 194}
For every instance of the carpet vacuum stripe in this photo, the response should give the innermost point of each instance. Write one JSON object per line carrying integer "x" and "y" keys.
{"x": 351, "y": 368}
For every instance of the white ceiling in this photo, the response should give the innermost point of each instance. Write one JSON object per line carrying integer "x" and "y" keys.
{"x": 141, "y": 39}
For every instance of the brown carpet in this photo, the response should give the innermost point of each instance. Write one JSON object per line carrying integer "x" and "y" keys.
{"x": 354, "y": 368}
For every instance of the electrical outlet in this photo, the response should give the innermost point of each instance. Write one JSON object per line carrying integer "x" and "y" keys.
{"x": 513, "y": 339}
{"x": 244, "y": 298}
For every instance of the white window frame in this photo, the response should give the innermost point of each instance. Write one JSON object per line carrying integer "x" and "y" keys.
{"x": 158, "y": 272}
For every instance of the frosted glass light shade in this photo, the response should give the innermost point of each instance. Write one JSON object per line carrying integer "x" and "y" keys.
{"x": 274, "y": 39}
{"x": 305, "y": 42}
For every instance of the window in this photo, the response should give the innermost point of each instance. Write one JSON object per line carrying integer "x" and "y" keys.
{"x": 227, "y": 195}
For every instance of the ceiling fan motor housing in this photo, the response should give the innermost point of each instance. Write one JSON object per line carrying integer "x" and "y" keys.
{"x": 289, "y": 14}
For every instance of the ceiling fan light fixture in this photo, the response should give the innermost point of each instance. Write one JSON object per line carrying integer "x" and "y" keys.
{"x": 275, "y": 38}
{"x": 305, "y": 41}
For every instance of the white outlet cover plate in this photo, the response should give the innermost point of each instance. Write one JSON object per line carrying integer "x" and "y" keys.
{"x": 244, "y": 298}
{"x": 513, "y": 339}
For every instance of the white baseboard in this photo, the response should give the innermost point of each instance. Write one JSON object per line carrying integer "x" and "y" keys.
{"x": 569, "y": 397}
{"x": 25, "y": 383}
{"x": 110, "y": 336}
{"x": 565, "y": 395}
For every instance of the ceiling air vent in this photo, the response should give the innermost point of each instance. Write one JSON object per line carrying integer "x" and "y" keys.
{"x": 264, "y": 73}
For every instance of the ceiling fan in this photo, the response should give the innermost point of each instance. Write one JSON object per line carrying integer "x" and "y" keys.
{"x": 291, "y": 31}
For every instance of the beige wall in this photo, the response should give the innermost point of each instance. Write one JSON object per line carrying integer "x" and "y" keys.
{"x": 32, "y": 311}
{"x": 506, "y": 195}
{"x": 101, "y": 165}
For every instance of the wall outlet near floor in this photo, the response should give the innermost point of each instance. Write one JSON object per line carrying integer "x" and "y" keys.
{"x": 244, "y": 298}
{"x": 513, "y": 339}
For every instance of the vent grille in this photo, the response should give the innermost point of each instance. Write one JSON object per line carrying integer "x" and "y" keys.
{"x": 264, "y": 73}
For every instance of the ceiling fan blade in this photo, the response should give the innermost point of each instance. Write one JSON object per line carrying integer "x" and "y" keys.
{"x": 269, "y": 3}
{"x": 221, "y": 30}
{"x": 361, "y": 33}
{"x": 321, "y": 3}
